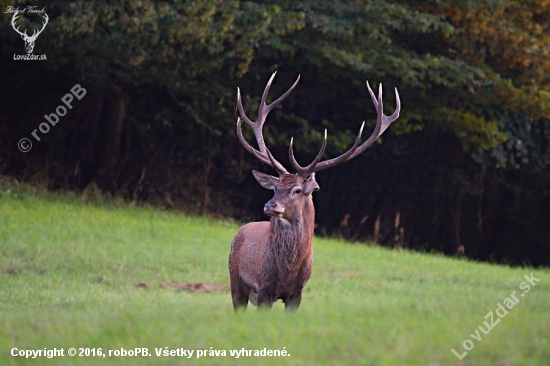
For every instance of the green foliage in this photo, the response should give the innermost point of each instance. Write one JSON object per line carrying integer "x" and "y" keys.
{"x": 198, "y": 49}
{"x": 525, "y": 144}
{"x": 472, "y": 76}
{"x": 476, "y": 133}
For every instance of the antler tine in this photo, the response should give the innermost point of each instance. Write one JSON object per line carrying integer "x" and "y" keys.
{"x": 382, "y": 123}
{"x": 306, "y": 171}
{"x": 269, "y": 161}
{"x": 263, "y": 110}
{"x": 241, "y": 109}
{"x": 15, "y": 16}
{"x": 278, "y": 166}
{"x": 282, "y": 97}
{"x": 379, "y": 106}
{"x": 46, "y": 18}
{"x": 246, "y": 145}
{"x": 340, "y": 159}
{"x": 395, "y": 114}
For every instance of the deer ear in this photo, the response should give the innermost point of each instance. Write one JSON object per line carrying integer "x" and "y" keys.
{"x": 311, "y": 185}
{"x": 267, "y": 181}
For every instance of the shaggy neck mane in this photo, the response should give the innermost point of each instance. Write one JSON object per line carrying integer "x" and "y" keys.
{"x": 290, "y": 241}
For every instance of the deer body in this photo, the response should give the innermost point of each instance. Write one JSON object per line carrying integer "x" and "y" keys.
{"x": 273, "y": 260}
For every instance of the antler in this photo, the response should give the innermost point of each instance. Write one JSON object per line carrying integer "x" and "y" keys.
{"x": 382, "y": 123}
{"x": 263, "y": 153}
{"x": 15, "y": 15}
{"x": 35, "y": 33}
{"x": 46, "y": 18}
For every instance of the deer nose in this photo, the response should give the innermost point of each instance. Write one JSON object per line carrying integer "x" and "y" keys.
{"x": 272, "y": 208}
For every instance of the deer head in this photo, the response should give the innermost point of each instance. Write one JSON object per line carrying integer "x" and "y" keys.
{"x": 29, "y": 40}
{"x": 290, "y": 193}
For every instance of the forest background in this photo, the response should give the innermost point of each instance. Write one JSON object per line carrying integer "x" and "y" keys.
{"x": 464, "y": 170}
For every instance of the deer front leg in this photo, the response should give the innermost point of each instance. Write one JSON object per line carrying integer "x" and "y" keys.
{"x": 294, "y": 298}
{"x": 294, "y": 301}
{"x": 264, "y": 300}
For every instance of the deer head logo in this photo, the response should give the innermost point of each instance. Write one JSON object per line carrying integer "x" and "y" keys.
{"x": 29, "y": 40}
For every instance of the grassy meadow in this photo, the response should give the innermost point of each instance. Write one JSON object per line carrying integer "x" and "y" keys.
{"x": 81, "y": 274}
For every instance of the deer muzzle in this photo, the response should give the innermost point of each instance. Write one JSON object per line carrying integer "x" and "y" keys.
{"x": 274, "y": 209}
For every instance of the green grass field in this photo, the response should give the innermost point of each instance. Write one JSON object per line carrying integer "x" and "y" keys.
{"x": 110, "y": 276}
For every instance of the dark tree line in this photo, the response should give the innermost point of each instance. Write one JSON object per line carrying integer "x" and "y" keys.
{"x": 465, "y": 169}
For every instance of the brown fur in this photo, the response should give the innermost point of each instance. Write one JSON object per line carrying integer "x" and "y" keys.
{"x": 273, "y": 260}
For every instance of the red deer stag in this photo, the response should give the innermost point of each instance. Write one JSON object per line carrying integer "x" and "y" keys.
{"x": 272, "y": 260}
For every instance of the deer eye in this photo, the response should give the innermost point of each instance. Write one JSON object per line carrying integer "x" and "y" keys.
{"x": 298, "y": 191}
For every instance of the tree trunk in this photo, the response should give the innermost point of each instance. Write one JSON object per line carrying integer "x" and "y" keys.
{"x": 85, "y": 145}
{"x": 109, "y": 135}
{"x": 207, "y": 166}
{"x": 457, "y": 214}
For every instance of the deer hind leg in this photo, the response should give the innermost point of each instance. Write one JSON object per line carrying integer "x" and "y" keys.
{"x": 239, "y": 294}
{"x": 293, "y": 301}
